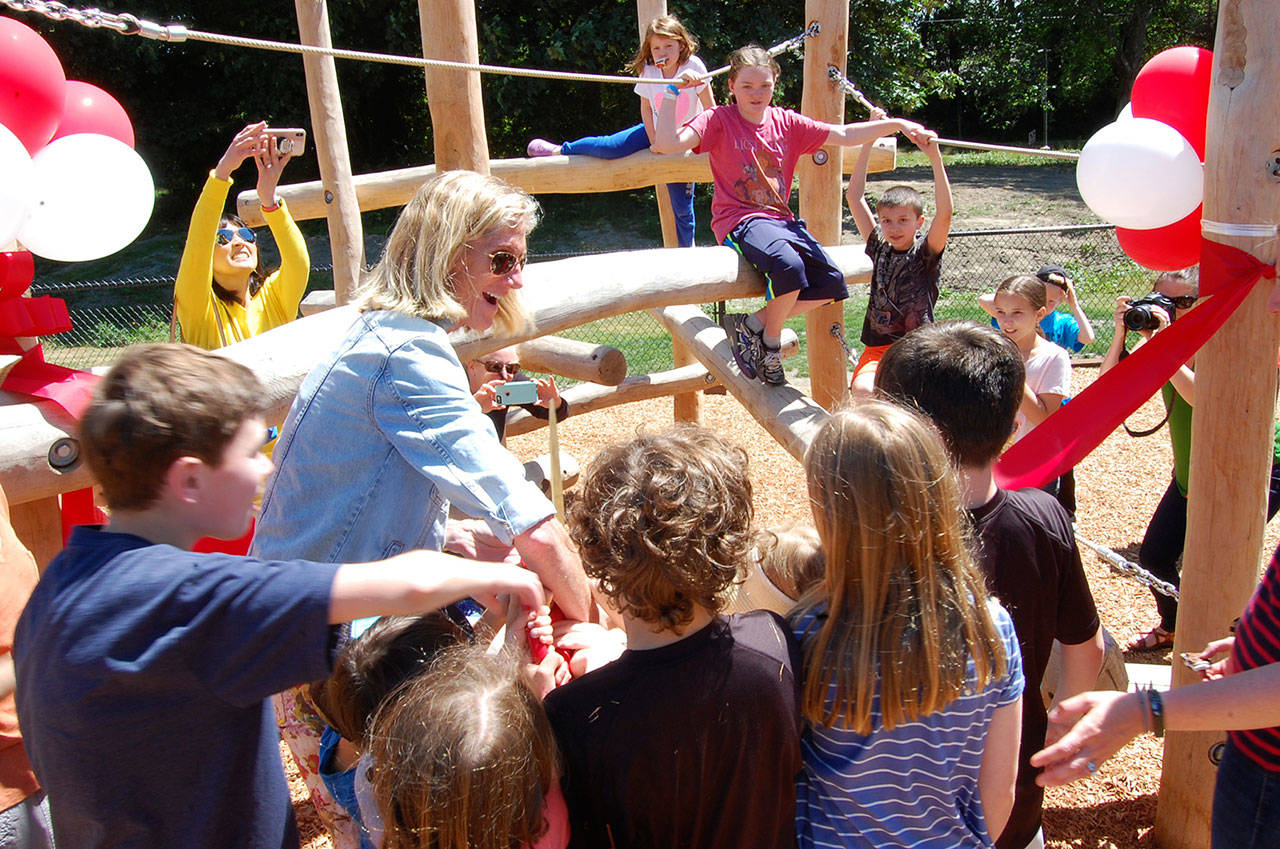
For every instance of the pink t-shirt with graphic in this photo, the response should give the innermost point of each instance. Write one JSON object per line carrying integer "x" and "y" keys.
{"x": 752, "y": 165}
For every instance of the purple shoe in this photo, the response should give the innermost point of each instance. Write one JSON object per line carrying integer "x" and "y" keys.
{"x": 542, "y": 147}
{"x": 747, "y": 346}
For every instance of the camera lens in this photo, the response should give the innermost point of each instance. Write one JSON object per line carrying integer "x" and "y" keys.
{"x": 1140, "y": 318}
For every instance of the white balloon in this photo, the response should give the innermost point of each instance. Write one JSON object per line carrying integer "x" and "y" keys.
{"x": 1140, "y": 174}
{"x": 93, "y": 196}
{"x": 1126, "y": 113}
{"x": 17, "y": 184}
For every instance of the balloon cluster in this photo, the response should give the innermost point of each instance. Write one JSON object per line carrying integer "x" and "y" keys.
{"x": 71, "y": 186}
{"x": 1145, "y": 173}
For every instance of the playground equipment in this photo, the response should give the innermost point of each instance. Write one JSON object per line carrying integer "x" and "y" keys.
{"x": 1236, "y": 375}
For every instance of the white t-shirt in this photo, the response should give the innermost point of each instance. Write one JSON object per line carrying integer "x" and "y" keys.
{"x": 1048, "y": 371}
{"x": 688, "y": 103}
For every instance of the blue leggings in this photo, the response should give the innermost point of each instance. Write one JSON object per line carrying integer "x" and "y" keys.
{"x": 629, "y": 141}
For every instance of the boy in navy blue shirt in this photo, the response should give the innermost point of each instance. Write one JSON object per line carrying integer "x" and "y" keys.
{"x": 143, "y": 668}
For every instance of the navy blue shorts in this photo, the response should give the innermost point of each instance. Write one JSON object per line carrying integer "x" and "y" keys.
{"x": 789, "y": 258}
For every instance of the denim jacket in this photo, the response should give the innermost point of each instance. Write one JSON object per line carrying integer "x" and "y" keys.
{"x": 381, "y": 438}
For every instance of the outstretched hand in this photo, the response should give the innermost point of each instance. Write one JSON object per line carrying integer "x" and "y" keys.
{"x": 244, "y": 144}
{"x": 1085, "y": 731}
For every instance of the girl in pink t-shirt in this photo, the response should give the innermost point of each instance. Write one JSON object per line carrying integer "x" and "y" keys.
{"x": 668, "y": 51}
{"x": 754, "y": 148}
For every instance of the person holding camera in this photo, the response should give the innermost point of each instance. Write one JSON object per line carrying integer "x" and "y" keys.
{"x": 489, "y": 375}
{"x": 223, "y": 294}
{"x": 1173, "y": 294}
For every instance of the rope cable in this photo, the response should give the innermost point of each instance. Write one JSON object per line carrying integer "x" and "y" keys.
{"x": 126, "y": 24}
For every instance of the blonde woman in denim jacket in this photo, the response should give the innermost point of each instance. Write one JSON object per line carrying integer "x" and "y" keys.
{"x": 385, "y": 435}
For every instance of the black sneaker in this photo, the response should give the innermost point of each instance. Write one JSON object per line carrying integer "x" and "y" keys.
{"x": 747, "y": 345}
{"x": 770, "y": 369}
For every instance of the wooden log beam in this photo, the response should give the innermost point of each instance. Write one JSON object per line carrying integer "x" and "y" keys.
{"x": 574, "y": 359}
{"x": 541, "y": 175}
{"x": 453, "y": 95}
{"x": 588, "y": 397}
{"x": 820, "y": 189}
{"x": 789, "y": 416}
{"x": 559, "y": 295}
{"x": 1235, "y": 394}
{"x": 346, "y": 234}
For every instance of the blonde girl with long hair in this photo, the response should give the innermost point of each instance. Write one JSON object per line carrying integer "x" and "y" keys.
{"x": 912, "y": 676}
{"x": 667, "y": 51}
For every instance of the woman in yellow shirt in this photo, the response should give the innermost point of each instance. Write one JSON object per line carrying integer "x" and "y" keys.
{"x": 223, "y": 295}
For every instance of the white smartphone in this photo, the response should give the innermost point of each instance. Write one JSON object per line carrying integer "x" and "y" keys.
{"x": 292, "y": 140}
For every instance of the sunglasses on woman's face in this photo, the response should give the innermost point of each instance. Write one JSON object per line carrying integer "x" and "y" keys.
{"x": 507, "y": 370}
{"x": 502, "y": 263}
{"x": 226, "y": 234}
{"x": 1185, "y": 302}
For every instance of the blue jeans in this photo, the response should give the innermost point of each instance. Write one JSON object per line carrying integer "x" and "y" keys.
{"x": 1246, "y": 803}
{"x": 629, "y": 141}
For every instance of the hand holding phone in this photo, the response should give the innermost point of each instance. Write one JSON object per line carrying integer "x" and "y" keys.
{"x": 291, "y": 141}
{"x": 517, "y": 392}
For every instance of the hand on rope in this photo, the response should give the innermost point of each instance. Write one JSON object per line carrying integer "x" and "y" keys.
{"x": 837, "y": 76}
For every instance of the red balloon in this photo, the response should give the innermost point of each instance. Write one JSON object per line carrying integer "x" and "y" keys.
{"x": 31, "y": 84}
{"x": 17, "y": 270}
{"x": 1173, "y": 87}
{"x": 89, "y": 109}
{"x": 1167, "y": 248}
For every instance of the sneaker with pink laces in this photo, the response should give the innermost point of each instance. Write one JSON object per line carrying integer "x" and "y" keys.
{"x": 542, "y": 147}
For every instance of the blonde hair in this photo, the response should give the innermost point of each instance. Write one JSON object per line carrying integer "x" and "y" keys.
{"x": 1025, "y": 286}
{"x": 668, "y": 26}
{"x": 463, "y": 756}
{"x": 446, "y": 214}
{"x": 905, "y": 605}
{"x": 791, "y": 558}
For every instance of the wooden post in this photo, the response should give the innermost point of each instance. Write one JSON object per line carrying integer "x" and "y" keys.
{"x": 686, "y": 407}
{"x": 1235, "y": 392}
{"x": 820, "y": 198}
{"x": 39, "y": 525}
{"x": 457, "y": 113}
{"x": 346, "y": 234}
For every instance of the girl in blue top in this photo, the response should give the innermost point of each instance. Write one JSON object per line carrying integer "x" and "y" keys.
{"x": 912, "y": 675}
{"x": 667, "y": 51}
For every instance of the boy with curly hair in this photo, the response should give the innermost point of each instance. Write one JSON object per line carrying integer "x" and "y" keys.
{"x": 691, "y": 737}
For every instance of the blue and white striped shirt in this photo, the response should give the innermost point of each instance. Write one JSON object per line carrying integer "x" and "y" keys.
{"x": 913, "y": 786}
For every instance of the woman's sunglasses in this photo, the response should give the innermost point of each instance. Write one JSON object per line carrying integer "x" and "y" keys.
{"x": 507, "y": 370}
{"x": 502, "y": 263}
{"x": 226, "y": 234}
{"x": 1185, "y": 302}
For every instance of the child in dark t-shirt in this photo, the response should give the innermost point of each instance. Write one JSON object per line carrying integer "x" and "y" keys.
{"x": 691, "y": 737}
{"x": 905, "y": 263}
{"x": 968, "y": 379}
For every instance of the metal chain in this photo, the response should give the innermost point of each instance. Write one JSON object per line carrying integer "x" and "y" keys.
{"x": 126, "y": 24}
{"x": 1128, "y": 568}
{"x": 837, "y": 332}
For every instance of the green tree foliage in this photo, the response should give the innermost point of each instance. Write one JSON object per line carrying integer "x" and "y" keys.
{"x": 1075, "y": 59}
{"x": 977, "y": 68}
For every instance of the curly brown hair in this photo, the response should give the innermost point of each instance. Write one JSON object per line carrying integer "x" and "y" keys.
{"x": 664, "y": 523}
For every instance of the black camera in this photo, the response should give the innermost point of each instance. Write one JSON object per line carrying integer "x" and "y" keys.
{"x": 1139, "y": 316}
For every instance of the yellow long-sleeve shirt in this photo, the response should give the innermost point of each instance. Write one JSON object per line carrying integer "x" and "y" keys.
{"x": 200, "y": 312}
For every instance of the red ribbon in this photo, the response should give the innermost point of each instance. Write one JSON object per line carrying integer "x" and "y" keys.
{"x": 1227, "y": 275}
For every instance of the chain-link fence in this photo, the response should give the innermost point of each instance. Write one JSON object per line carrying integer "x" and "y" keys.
{"x": 111, "y": 314}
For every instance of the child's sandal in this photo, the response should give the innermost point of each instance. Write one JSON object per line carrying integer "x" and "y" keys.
{"x": 1156, "y": 639}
